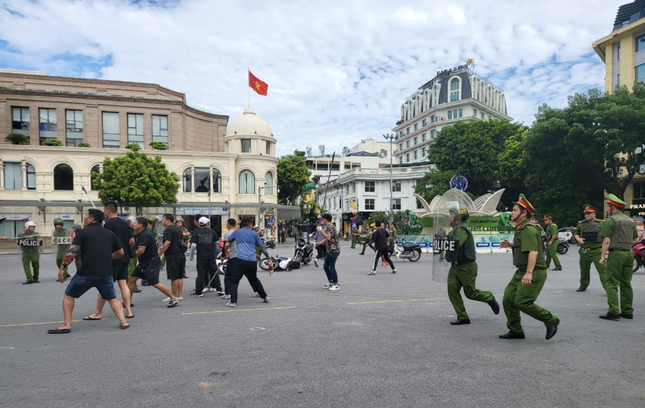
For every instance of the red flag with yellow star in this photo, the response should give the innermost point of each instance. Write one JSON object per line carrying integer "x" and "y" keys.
{"x": 258, "y": 86}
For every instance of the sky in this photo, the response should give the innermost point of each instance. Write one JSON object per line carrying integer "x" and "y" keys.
{"x": 338, "y": 71}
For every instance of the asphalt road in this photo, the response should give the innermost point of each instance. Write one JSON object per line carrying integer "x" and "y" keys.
{"x": 381, "y": 341}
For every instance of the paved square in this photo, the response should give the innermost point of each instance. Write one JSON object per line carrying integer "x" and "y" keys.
{"x": 381, "y": 341}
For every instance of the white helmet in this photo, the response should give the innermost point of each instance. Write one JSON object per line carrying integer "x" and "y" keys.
{"x": 284, "y": 264}
{"x": 30, "y": 224}
{"x": 130, "y": 218}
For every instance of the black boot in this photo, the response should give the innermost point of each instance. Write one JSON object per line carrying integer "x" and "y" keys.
{"x": 459, "y": 322}
{"x": 511, "y": 335}
{"x": 557, "y": 268}
{"x": 494, "y": 305}
{"x": 627, "y": 316}
{"x": 552, "y": 330}
{"x": 610, "y": 316}
{"x": 28, "y": 282}
{"x": 581, "y": 289}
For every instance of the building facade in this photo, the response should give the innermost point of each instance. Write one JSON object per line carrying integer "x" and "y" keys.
{"x": 623, "y": 52}
{"x": 454, "y": 95}
{"x": 367, "y": 190}
{"x": 225, "y": 171}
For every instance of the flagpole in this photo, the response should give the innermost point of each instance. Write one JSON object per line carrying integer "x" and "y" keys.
{"x": 247, "y": 80}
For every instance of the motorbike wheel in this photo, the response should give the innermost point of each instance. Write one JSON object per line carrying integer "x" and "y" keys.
{"x": 415, "y": 256}
{"x": 563, "y": 249}
{"x": 264, "y": 263}
{"x": 637, "y": 264}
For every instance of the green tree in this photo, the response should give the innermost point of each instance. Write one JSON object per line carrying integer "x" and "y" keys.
{"x": 158, "y": 146}
{"x": 511, "y": 167}
{"x": 53, "y": 142}
{"x": 377, "y": 215}
{"x": 299, "y": 153}
{"x": 83, "y": 144}
{"x": 322, "y": 148}
{"x": 382, "y": 154}
{"x": 593, "y": 144}
{"x": 309, "y": 151}
{"x": 17, "y": 139}
{"x": 136, "y": 180}
{"x": 345, "y": 150}
{"x": 293, "y": 176}
{"x": 471, "y": 149}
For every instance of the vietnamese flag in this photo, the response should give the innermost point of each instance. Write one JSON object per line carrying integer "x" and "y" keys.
{"x": 258, "y": 86}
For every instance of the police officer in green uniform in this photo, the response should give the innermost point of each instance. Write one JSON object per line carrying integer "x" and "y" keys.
{"x": 552, "y": 243}
{"x": 463, "y": 271}
{"x": 587, "y": 233}
{"x": 619, "y": 233}
{"x": 77, "y": 261}
{"x": 62, "y": 238}
{"x": 527, "y": 282}
{"x": 30, "y": 244}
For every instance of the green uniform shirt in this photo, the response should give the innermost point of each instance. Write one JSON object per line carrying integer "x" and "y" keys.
{"x": 29, "y": 241}
{"x": 609, "y": 226}
{"x": 530, "y": 239}
{"x": 551, "y": 230}
{"x": 589, "y": 245}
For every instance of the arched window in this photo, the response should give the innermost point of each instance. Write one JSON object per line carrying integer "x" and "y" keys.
{"x": 454, "y": 90}
{"x": 95, "y": 169}
{"x": 202, "y": 180}
{"x": 188, "y": 180}
{"x": 247, "y": 182}
{"x": 268, "y": 183}
{"x": 63, "y": 177}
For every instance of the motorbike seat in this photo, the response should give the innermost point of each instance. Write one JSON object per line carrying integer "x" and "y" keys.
{"x": 411, "y": 246}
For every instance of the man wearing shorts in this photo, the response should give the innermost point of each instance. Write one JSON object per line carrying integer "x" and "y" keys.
{"x": 149, "y": 262}
{"x": 175, "y": 259}
{"x": 125, "y": 236}
{"x": 98, "y": 247}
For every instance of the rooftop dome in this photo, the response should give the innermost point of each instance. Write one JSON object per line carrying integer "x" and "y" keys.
{"x": 249, "y": 124}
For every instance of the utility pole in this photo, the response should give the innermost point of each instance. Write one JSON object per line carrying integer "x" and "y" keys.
{"x": 390, "y": 137}
{"x": 259, "y": 224}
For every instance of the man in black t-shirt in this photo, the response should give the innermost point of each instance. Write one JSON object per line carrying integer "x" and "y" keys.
{"x": 206, "y": 242}
{"x": 125, "y": 236}
{"x": 98, "y": 247}
{"x": 380, "y": 239}
{"x": 149, "y": 262}
{"x": 172, "y": 242}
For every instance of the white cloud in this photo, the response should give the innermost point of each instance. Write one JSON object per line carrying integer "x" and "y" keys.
{"x": 337, "y": 71}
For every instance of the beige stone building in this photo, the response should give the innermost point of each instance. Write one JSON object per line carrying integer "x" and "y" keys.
{"x": 225, "y": 171}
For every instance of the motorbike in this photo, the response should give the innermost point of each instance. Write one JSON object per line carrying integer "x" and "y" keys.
{"x": 638, "y": 251}
{"x": 279, "y": 263}
{"x": 563, "y": 247}
{"x": 221, "y": 266}
{"x": 412, "y": 252}
{"x": 304, "y": 252}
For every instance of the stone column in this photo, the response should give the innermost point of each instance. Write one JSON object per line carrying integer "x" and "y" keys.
{"x": 23, "y": 165}
{"x": 210, "y": 173}
{"x": 1, "y": 175}
{"x": 192, "y": 180}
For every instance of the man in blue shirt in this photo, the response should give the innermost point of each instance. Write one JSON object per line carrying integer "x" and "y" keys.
{"x": 246, "y": 261}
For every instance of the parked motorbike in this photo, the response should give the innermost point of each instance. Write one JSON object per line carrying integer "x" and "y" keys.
{"x": 638, "y": 251}
{"x": 412, "y": 252}
{"x": 563, "y": 247}
{"x": 304, "y": 252}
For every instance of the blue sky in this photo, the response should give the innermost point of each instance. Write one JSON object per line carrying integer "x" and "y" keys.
{"x": 337, "y": 73}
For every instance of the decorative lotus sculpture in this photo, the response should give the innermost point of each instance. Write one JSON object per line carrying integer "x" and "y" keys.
{"x": 485, "y": 205}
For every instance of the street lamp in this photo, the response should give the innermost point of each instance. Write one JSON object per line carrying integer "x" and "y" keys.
{"x": 390, "y": 137}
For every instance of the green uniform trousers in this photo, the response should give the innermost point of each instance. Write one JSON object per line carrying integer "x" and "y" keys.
{"x": 591, "y": 256}
{"x": 464, "y": 276}
{"x": 355, "y": 240}
{"x": 519, "y": 298}
{"x": 620, "y": 266}
{"x": 552, "y": 253}
{"x": 59, "y": 262}
{"x": 29, "y": 259}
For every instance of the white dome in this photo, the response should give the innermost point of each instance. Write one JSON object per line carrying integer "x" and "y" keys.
{"x": 249, "y": 124}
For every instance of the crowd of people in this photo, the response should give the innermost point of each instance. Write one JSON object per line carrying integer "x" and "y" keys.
{"x": 108, "y": 246}
{"x": 109, "y": 251}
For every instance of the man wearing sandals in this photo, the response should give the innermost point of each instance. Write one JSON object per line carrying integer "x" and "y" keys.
{"x": 98, "y": 247}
